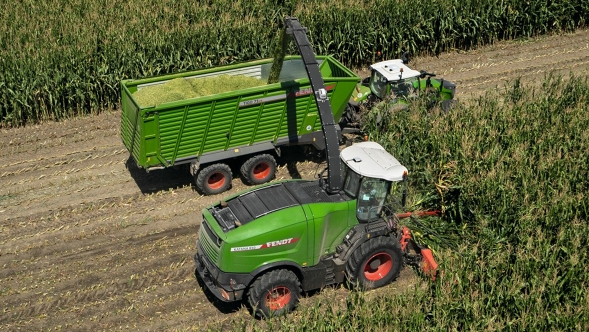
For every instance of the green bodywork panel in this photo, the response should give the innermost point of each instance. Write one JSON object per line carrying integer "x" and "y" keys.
{"x": 169, "y": 133}
{"x": 300, "y": 234}
{"x": 360, "y": 94}
{"x": 331, "y": 222}
{"x": 255, "y": 244}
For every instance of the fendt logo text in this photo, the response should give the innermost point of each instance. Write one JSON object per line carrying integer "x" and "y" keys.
{"x": 267, "y": 244}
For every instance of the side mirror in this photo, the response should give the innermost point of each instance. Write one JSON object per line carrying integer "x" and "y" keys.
{"x": 405, "y": 57}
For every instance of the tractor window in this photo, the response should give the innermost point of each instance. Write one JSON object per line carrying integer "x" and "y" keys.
{"x": 371, "y": 197}
{"x": 378, "y": 84}
{"x": 351, "y": 183}
{"x": 404, "y": 89}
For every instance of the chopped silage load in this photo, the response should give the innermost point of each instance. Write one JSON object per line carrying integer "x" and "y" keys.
{"x": 186, "y": 88}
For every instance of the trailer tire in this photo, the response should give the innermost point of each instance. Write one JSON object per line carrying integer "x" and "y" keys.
{"x": 259, "y": 169}
{"x": 274, "y": 293}
{"x": 214, "y": 179}
{"x": 375, "y": 263}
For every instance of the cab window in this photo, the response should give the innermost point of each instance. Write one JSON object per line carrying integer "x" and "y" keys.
{"x": 378, "y": 84}
{"x": 351, "y": 183}
{"x": 371, "y": 198}
{"x": 405, "y": 88}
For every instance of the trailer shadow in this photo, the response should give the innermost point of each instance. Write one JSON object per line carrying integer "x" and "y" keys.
{"x": 158, "y": 180}
{"x": 293, "y": 156}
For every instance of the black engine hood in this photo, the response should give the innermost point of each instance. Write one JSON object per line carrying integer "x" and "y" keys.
{"x": 254, "y": 204}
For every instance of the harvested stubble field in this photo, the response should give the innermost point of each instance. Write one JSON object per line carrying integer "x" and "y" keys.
{"x": 86, "y": 243}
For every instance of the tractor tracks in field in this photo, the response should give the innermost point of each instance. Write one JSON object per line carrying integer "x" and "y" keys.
{"x": 102, "y": 271}
{"x": 84, "y": 222}
{"x": 535, "y": 69}
{"x": 53, "y": 138}
{"x": 494, "y": 67}
{"x": 43, "y": 164}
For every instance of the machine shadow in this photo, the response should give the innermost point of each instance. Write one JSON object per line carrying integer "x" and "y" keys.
{"x": 159, "y": 180}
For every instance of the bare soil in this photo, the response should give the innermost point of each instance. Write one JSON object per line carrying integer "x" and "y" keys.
{"x": 88, "y": 243}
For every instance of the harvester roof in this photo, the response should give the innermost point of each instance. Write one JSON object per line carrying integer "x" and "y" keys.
{"x": 394, "y": 70}
{"x": 372, "y": 160}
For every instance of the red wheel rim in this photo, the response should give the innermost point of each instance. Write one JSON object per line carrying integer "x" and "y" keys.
{"x": 378, "y": 266}
{"x": 261, "y": 170}
{"x": 216, "y": 180}
{"x": 278, "y": 298}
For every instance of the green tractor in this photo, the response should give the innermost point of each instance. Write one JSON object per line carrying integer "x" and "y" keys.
{"x": 269, "y": 244}
{"x": 394, "y": 79}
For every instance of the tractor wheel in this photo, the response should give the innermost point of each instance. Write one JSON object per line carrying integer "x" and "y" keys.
{"x": 350, "y": 116}
{"x": 448, "y": 104}
{"x": 214, "y": 179}
{"x": 259, "y": 169}
{"x": 375, "y": 263}
{"x": 274, "y": 293}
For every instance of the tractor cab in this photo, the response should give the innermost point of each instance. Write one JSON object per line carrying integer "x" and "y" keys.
{"x": 386, "y": 78}
{"x": 369, "y": 173}
{"x": 393, "y": 76}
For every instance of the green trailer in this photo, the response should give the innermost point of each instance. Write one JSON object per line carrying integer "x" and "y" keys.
{"x": 247, "y": 126}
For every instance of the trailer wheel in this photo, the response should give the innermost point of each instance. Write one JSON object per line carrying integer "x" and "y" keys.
{"x": 259, "y": 169}
{"x": 274, "y": 293}
{"x": 214, "y": 179}
{"x": 375, "y": 263}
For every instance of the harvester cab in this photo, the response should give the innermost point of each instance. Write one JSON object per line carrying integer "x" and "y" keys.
{"x": 268, "y": 244}
{"x": 370, "y": 172}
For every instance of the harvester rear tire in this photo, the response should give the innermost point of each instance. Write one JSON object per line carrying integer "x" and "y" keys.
{"x": 214, "y": 179}
{"x": 274, "y": 293}
{"x": 375, "y": 263}
{"x": 259, "y": 169}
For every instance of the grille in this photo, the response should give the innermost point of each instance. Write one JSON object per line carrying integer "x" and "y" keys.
{"x": 207, "y": 243}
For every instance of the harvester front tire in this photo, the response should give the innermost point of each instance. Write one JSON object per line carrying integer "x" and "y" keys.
{"x": 375, "y": 263}
{"x": 259, "y": 169}
{"x": 274, "y": 293}
{"x": 214, "y": 179}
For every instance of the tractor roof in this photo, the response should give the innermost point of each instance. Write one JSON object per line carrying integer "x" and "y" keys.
{"x": 394, "y": 70}
{"x": 372, "y": 160}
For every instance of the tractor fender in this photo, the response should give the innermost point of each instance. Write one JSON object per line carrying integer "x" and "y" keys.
{"x": 360, "y": 234}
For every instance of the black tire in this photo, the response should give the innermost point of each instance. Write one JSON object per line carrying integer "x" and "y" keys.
{"x": 214, "y": 179}
{"x": 375, "y": 263}
{"x": 350, "y": 116}
{"x": 432, "y": 97}
{"x": 274, "y": 293}
{"x": 448, "y": 104}
{"x": 259, "y": 169}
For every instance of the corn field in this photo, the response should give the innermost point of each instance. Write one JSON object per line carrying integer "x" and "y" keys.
{"x": 510, "y": 172}
{"x": 64, "y": 58}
